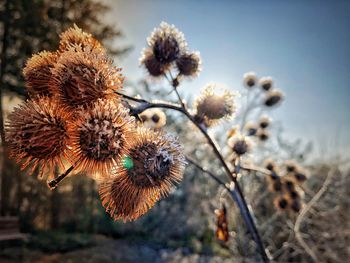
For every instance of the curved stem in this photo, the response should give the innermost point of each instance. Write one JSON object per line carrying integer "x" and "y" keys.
{"x": 236, "y": 192}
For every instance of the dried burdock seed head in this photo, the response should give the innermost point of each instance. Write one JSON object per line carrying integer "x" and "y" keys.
{"x": 189, "y": 64}
{"x": 263, "y": 135}
{"x": 281, "y": 202}
{"x": 288, "y": 184}
{"x": 266, "y": 83}
{"x": 153, "y": 118}
{"x": 215, "y": 103}
{"x": 300, "y": 175}
{"x": 154, "y": 67}
{"x": 102, "y": 135}
{"x": 291, "y": 166}
{"x": 251, "y": 129}
{"x": 270, "y": 165}
{"x": 264, "y": 122}
{"x": 75, "y": 37}
{"x": 239, "y": 145}
{"x": 275, "y": 185}
{"x": 294, "y": 194}
{"x": 81, "y": 77}
{"x": 273, "y": 98}
{"x": 37, "y": 73}
{"x": 167, "y": 43}
{"x": 153, "y": 166}
{"x": 296, "y": 205}
{"x": 38, "y": 135}
{"x": 249, "y": 79}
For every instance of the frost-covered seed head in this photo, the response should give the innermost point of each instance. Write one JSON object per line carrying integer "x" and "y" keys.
{"x": 153, "y": 166}
{"x": 81, "y": 77}
{"x": 249, "y": 79}
{"x": 102, "y": 136}
{"x": 215, "y": 103}
{"x": 154, "y": 67}
{"x": 273, "y": 98}
{"x": 266, "y": 83}
{"x": 240, "y": 145}
{"x": 251, "y": 129}
{"x": 38, "y": 134}
{"x": 189, "y": 64}
{"x": 37, "y": 73}
{"x": 264, "y": 122}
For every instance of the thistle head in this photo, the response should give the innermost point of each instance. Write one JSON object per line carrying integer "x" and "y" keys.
{"x": 249, "y": 80}
{"x": 153, "y": 166}
{"x": 272, "y": 98}
{"x": 102, "y": 134}
{"x": 189, "y": 64}
{"x": 240, "y": 145}
{"x": 81, "y": 77}
{"x": 37, "y": 73}
{"x": 38, "y": 134}
{"x": 215, "y": 104}
{"x": 266, "y": 83}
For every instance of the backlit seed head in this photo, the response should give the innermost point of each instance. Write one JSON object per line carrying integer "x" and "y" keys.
{"x": 263, "y": 135}
{"x": 153, "y": 118}
{"x": 281, "y": 202}
{"x": 38, "y": 135}
{"x": 239, "y": 145}
{"x": 75, "y": 37}
{"x": 214, "y": 104}
{"x": 81, "y": 77}
{"x": 154, "y": 67}
{"x": 167, "y": 43}
{"x": 291, "y": 166}
{"x": 294, "y": 194}
{"x": 37, "y": 73}
{"x": 270, "y": 165}
{"x": 273, "y": 98}
{"x": 296, "y": 205}
{"x": 155, "y": 163}
{"x": 189, "y": 64}
{"x": 300, "y": 176}
{"x": 102, "y": 135}
{"x": 266, "y": 83}
{"x": 275, "y": 184}
{"x": 288, "y": 184}
{"x": 264, "y": 122}
{"x": 251, "y": 129}
{"x": 249, "y": 79}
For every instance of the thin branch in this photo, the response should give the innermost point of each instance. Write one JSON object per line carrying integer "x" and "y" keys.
{"x": 54, "y": 183}
{"x": 304, "y": 211}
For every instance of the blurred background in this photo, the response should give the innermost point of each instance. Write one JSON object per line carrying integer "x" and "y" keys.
{"x": 303, "y": 45}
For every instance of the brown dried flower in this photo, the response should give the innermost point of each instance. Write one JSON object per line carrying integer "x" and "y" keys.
{"x": 102, "y": 134}
{"x": 38, "y": 135}
{"x": 189, "y": 64}
{"x": 273, "y": 98}
{"x": 37, "y": 73}
{"x": 81, "y": 77}
{"x": 281, "y": 202}
{"x": 154, "y": 164}
{"x": 75, "y": 37}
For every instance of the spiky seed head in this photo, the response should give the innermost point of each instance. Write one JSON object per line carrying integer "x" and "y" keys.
{"x": 294, "y": 194}
{"x": 264, "y": 122}
{"x": 266, "y": 83}
{"x": 273, "y": 98}
{"x": 281, "y": 202}
{"x": 263, "y": 135}
{"x": 75, "y": 37}
{"x": 167, "y": 43}
{"x": 81, "y": 77}
{"x": 249, "y": 79}
{"x": 215, "y": 103}
{"x": 275, "y": 184}
{"x": 251, "y": 129}
{"x": 291, "y": 166}
{"x": 37, "y": 73}
{"x": 102, "y": 134}
{"x": 288, "y": 184}
{"x": 240, "y": 145}
{"x": 270, "y": 165}
{"x": 300, "y": 175}
{"x": 154, "y": 67}
{"x": 157, "y": 165}
{"x": 38, "y": 135}
{"x": 189, "y": 64}
{"x": 153, "y": 118}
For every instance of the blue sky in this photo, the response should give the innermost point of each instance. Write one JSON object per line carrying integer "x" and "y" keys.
{"x": 304, "y": 45}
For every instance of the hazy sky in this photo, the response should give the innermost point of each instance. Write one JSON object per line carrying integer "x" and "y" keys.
{"x": 304, "y": 45}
